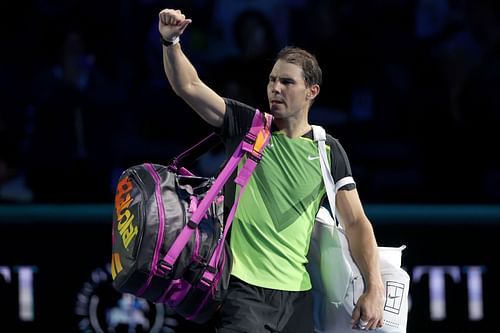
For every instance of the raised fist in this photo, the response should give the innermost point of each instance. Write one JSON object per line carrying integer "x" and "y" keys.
{"x": 172, "y": 23}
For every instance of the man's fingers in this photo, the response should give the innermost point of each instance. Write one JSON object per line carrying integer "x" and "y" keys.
{"x": 356, "y": 315}
{"x": 172, "y": 23}
{"x": 172, "y": 17}
{"x": 184, "y": 25}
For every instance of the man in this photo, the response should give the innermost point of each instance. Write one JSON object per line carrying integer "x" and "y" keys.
{"x": 270, "y": 289}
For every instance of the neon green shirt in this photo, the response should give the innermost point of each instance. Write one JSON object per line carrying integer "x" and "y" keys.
{"x": 271, "y": 230}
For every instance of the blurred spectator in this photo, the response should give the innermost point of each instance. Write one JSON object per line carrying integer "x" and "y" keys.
{"x": 225, "y": 14}
{"x": 12, "y": 180}
{"x": 16, "y": 67}
{"x": 477, "y": 100}
{"x": 256, "y": 45}
{"x": 421, "y": 75}
{"x": 150, "y": 133}
{"x": 459, "y": 101}
{"x": 431, "y": 17}
{"x": 76, "y": 111}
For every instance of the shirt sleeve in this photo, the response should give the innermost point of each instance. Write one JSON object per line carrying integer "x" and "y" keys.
{"x": 341, "y": 167}
{"x": 237, "y": 120}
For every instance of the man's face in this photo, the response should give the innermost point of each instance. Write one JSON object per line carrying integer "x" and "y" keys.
{"x": 286, "y": 90}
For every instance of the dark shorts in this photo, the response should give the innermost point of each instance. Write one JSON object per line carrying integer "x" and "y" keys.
{"x": 252, "y": 309}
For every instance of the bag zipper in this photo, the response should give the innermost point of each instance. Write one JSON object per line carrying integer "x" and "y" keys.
{"x": 161, "y": 226}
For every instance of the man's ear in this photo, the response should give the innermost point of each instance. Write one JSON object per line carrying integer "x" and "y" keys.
{"x": 313, "y": 91}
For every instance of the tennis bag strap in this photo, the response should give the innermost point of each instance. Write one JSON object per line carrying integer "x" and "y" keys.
{"x": 253, "y": 145}
{"x": 193, "y": 153}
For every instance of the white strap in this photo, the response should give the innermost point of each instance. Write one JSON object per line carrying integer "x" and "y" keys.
{"x": 319, "y": 135}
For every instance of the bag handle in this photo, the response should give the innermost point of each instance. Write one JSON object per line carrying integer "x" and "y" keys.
{"x": 193, "y": 153}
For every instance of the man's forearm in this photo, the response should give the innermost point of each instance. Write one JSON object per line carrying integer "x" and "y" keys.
{"x": 365, "y": 252}
{"x": 181, "y": 74}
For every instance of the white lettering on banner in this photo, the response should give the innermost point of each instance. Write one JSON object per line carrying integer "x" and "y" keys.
{"x": 26, "y": 301}
{"x": 472, "y": 276}
{"x": 5, "y": 272}
{"x": 437, "y": 288}
{"x": 25, "y": 289}
{"x": 475, "y": 291}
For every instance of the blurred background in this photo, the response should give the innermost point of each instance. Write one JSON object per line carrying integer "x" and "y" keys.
{"x": 411, "y": 89}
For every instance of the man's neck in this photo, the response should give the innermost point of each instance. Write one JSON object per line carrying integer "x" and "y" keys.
{"x": 293, "y": 129}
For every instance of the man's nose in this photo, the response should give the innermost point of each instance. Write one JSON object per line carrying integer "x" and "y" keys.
{"x": 275, "y": 87}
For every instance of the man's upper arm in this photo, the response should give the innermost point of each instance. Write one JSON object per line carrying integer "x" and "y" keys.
{"x": 349, "y": 207}
{"x": 205, "y": 102}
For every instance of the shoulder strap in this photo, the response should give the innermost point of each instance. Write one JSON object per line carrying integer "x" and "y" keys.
{"x": 320, "y": 136}
{"x": 253, "y": 144}
{"x": 330, "y": 186}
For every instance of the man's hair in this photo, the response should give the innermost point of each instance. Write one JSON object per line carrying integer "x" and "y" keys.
{"x": 304, "y": 59}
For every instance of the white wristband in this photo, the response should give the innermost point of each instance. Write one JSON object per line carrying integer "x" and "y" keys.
{"x": 169, "y": 42}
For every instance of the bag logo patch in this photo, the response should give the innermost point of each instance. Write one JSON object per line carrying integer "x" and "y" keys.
{"x": 394, "y": 296}
{"x": 124, "y": 216}
{"x": 260, "y": 140}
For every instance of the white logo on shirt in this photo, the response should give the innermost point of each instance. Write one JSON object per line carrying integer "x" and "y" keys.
{"x": 312, "y": 158}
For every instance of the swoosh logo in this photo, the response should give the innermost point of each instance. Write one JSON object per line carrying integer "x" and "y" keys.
{"x": 312, "y": 158}
{"x": 393, "y": 296}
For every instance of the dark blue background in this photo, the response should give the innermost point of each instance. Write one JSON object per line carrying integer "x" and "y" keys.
{"x": 410, "y": 89}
